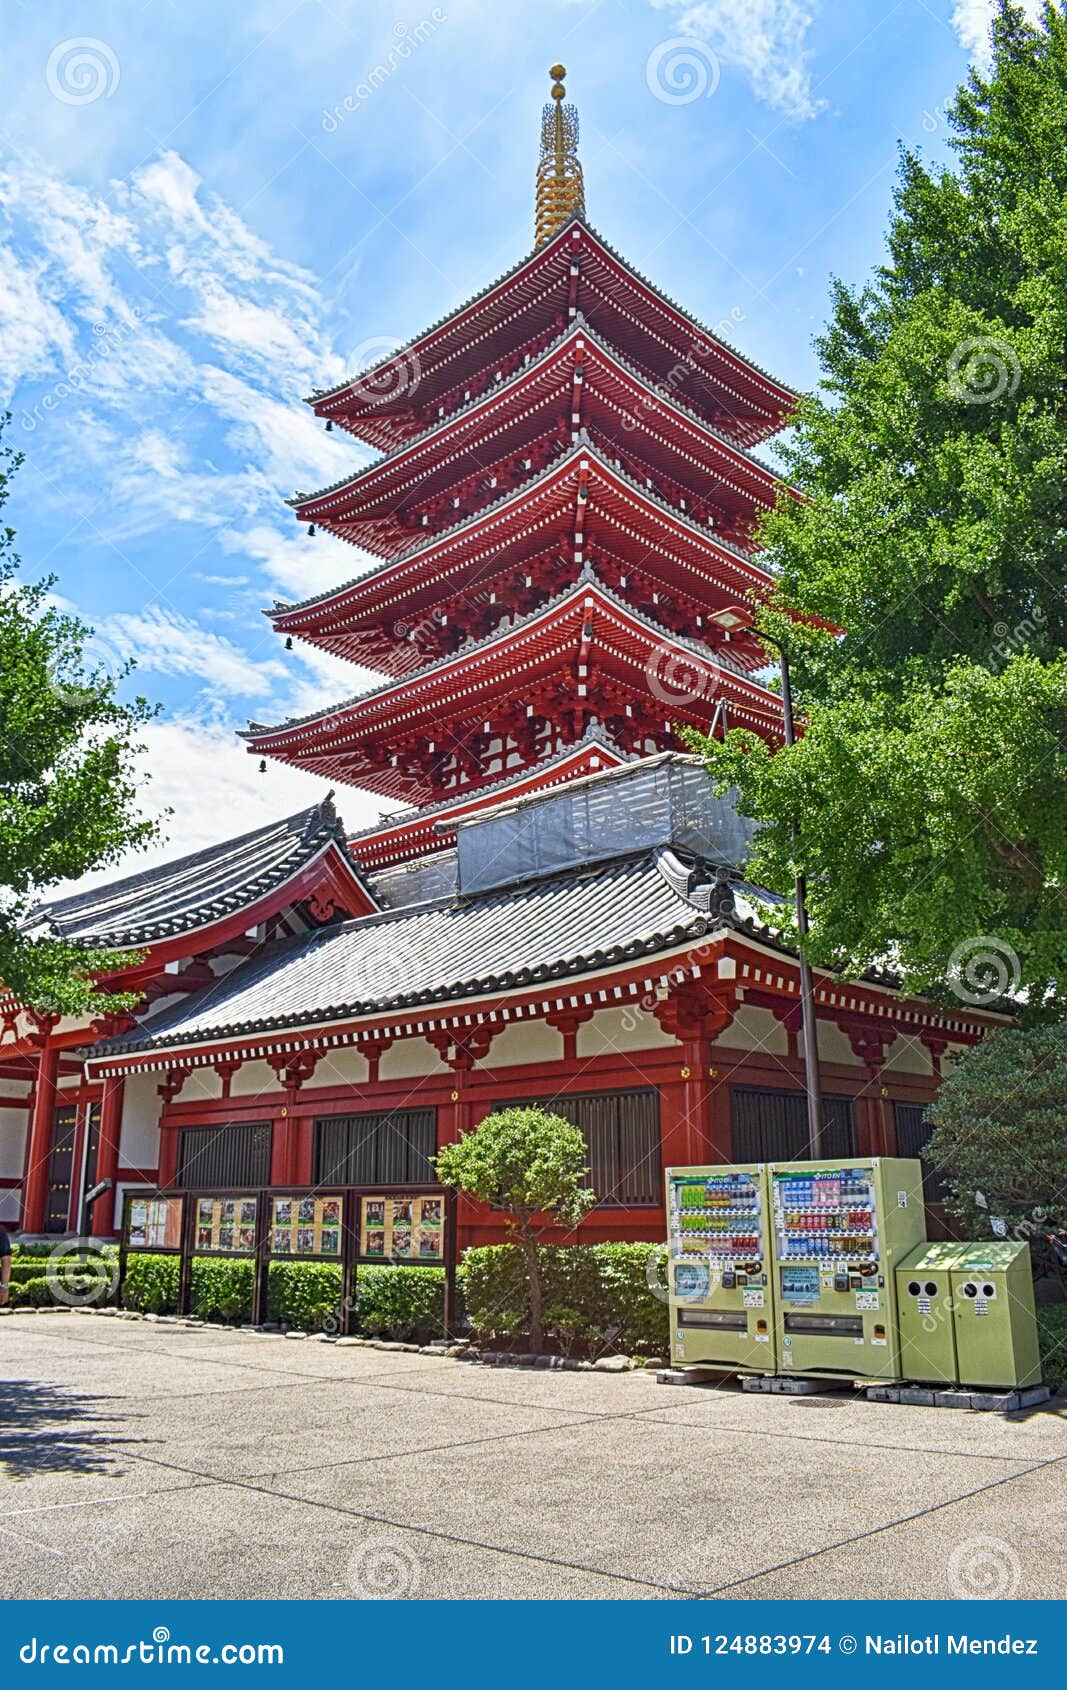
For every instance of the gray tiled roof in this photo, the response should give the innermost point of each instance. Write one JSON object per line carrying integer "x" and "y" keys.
{"x": 428, "y": 953}
{"x": 194, "y": 891}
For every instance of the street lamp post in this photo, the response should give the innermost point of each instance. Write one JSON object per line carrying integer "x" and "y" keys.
{"x": 733, "y": 620}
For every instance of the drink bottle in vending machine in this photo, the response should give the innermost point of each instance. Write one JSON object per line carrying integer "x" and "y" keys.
{"x": 718, "y": 1241}
{"x": 839, "y": 1229}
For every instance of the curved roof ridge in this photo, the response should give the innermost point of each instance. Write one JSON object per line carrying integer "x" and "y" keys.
{"x": 189, "y": 892}
{"x": 582, "y": 444}
{"x": 582, "y": 582}
{"x": 318, "y": 395}
{"x": 579, "y": 324}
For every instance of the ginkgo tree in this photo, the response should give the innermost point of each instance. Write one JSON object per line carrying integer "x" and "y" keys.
{"x": 69, "y": 788}
{"x": 926, "y": 798}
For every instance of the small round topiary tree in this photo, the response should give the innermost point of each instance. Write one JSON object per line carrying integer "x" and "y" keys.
{"x": 527, "y": 1162}
{"x": 1001, "y": 1138}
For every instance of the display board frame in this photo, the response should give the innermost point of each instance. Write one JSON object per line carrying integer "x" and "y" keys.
{"x": 423, "y": 1198}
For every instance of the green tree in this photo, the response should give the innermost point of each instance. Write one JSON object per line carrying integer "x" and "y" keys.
{"x": 1000, "y": 1137}
{"x": 529, "y": 1163}
{"x": 927, "y": 798}
{"x": 68, "y": 787}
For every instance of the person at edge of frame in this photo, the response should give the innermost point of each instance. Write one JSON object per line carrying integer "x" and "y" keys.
{"x": 5, "y": 1266}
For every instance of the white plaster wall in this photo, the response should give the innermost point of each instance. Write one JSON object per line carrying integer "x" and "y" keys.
{"x": 10, "y": 1203}
{"x": 622, "y": 1029}
{"x": 254, "y": 1079}
{"x": 410, "y": 1059}
{"x": 15, "y": 1088}
{"x": 834, "y": 1045}
{"x": 908, "y": 1055}
{"x": 756, "y": 1029}
{"x": 13, "y": 1123}
{"x": 525, "y": 1041}
{"x": 200, "y": 1083}
{"x": 346, "y": 1067}
{"x": 139, "y": 1134}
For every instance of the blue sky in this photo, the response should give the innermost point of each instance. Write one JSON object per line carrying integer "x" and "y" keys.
{"x": 206, "y": 210}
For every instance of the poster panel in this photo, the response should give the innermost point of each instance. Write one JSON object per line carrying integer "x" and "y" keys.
{"x": 153, "y": 1223}
{"x": 306, "y": 1226}
{"x": 402, "y": 1228}
{"x": 225, "y": 1226}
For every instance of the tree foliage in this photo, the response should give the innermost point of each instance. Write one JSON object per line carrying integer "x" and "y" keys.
{"x": 68, "y": 788}
{"x": 930, "y": 786}
{"x": 1001, "y": 1137}
{"x": 529, "y": 1163}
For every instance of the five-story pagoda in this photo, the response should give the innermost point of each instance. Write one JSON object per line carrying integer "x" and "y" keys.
{"x": 565, "y": 499}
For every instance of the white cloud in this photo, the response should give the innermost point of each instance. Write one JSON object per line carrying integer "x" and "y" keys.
{"x": 765, "y": 39}
{"x": 164, "y": 641}
{"x": 971, "y": 19}
{"x": 202, "y": 772}
{"x": 35, "y": 338}
{"x": 297, "y": 566}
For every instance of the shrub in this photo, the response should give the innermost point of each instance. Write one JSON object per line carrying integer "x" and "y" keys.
{"x": 151, "y": 1283}
{"x": 527, "y": 1162}
{"x": 1001, "y": 1138}
{"x": 304, "y": 1294}
{"x": 220, "y": 1287}
{"x": 407, "y": 1303}
{"x": 595, "y": 1294}
{"x": 1052, "y": 1337}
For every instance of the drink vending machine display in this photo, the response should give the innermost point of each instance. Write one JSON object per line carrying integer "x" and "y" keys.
{"x": 721, "y": 1296}
{"x": 839, "y": 1231}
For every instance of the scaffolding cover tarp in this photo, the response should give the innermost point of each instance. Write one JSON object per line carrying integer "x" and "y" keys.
{"x": 668, "y": 800}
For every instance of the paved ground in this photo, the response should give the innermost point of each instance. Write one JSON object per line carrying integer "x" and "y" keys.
{"x": 142, "y": 1460}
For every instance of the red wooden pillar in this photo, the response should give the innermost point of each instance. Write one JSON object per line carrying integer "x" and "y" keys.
{"x": 877, "y": 1132}
{"x": 696, "y": 1014}
{"x": 39, "y": 1142}
{"x": 102, "y": 1221}
{"x": 290, "y": 1162}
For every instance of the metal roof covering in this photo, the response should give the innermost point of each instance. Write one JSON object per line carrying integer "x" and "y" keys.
{"x": 455, "y": 947}
{"x": 194, "y": 891}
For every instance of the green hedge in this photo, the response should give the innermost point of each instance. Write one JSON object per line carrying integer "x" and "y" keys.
{"x": 406, "y": 1303}
{"x": 220, "y": 1287}
{"x": 151, "y": 1283}
{"x": 595, "y": 1295}
{"x": 306, "y": 1295}
{"x": 392, "y": 1302}
{"x": 1052, "y": 1336}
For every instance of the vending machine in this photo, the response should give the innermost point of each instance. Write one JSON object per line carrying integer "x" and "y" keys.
{"x": 839, "y": 1231}
{"x": 719, "y": 1247}
{"x": 967, "y": 1315}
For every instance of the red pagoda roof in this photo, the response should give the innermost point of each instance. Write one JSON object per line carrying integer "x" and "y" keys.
{"x": 532, "y": 529}
{"x": 575, "y": 271}
{"x": 407, "y": 739}
{"x": 499, "y": 438}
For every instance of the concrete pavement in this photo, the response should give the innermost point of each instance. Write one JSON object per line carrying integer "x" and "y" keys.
{"x": 144, "y": 1460}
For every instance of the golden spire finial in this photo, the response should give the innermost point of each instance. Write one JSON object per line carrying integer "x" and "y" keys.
{"x": 560, "y": 190}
